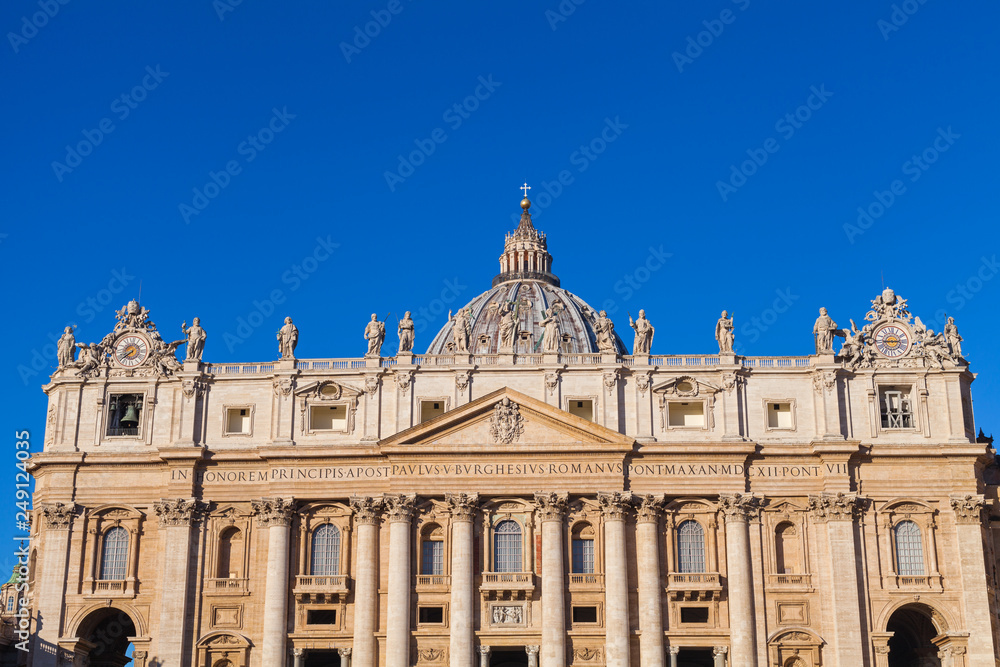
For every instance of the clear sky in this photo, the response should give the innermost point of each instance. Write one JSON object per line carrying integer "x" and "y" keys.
{"x": 359, "y": 157}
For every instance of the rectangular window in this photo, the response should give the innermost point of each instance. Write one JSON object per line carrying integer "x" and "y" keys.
{"x": 432, "y": 557}
{"x": 583, "y": 556}
{"x": 694, "y": 614}
{"x": 687, "y": 415}
{"x": 328, "y": 418}
{"x": 124, "y": 414}
{"x": 896, "y": 407}
{"x": 582, "y": 408}
{"x": 430, "y": 615}
{"x": 779, "y": 415}
{"x": 321, "y": 617}
{"x": 238, "y": 421}
{"x": 585, "y": 614}
{"x": 430, "y": 409}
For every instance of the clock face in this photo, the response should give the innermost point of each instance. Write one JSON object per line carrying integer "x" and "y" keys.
{"x": 131, "y": 350}
{"x": 892, "y": 341}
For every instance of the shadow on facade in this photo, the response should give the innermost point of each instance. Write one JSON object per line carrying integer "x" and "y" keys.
{"x": 911, "y": 644}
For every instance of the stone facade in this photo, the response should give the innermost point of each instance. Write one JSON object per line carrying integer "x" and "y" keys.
{"x": 490, "y": 503}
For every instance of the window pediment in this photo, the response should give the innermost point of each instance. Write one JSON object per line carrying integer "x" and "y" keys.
{"x": 685, "y": 386}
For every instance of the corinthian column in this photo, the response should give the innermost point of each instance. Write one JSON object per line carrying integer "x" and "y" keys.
{"x": 399, "y": 510}
{"x": 462, "y": 651}
{"x": 838, "y": 511}
{"x": 50, "y": 587}
{"x": 366, "y": 515}
{"x": 738, "y": 508}
{"x": 551, "y": 508}
{"x": 969, "y": 526}
{"x": 616, "y": 641}
{"x": 647, "y": 520}
{"x": 275, "y": 514}
{"x": 175, "y": 526}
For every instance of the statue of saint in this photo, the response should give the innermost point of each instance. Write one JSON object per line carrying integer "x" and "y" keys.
{"x": 288, "y": 338}
{"x": 824, "y": 331}
{"x": 643, "y": 333}
{"x": 195, "y": 339}
{"x": 67, "y": 348}
{"x": 405, "y": 330}
{"x": 954, "y": 340}
{"x": 375, "y": 335}
{"x": 461, "y": 329}
{"x": 509, "y": 321}
{"x": 604, "y": 328}
{"x": 550, "y": 325}
{"x": 724, "y": 333}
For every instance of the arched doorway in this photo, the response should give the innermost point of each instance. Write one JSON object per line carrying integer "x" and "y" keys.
{"x": 105, "y": 634}
{"x": 912, "y": 631}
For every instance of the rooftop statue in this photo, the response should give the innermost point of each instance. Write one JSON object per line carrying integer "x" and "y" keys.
{"x": 133, "y": 317}
{"x": 509, "y": 323}
{"x": 605, "y": 330}
{"x": 643, "y": 333}
{"x": 375, "y": 334}
{"x": 405, "y": 331}
{"x": 67, "y": 348}
{"x": 824, "y": 330}
{"x": 461, "y": 329}
{"x": 954, "y": 339}
{"x": 288, "y": 338}
{"x": 550, "y": 326}
{"x": 724, "y": 334}
{"x": 195, "y": 339}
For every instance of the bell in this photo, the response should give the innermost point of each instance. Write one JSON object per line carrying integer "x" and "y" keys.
{"x": 131, "y": 418}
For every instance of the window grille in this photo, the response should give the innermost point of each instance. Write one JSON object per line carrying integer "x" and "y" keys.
{"x": 325, "y": 550}
{"x": 909, "y": 549}
{"x": 507, "y": 546}
{"x": 432, "y": 561}
{"x": 897, "y": 409}
{"x": 690, "y": 547}
{"x": 114, "y": 554}
{"x": 583, "y": 556}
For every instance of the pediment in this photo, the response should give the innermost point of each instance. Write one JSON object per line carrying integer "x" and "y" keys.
{"x": 685, "y": 386}
{"x": 508, "y": 419}
{"x": 328, "y": 390}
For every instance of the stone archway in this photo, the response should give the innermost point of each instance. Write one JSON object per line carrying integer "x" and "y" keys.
{"x": 105, "y": 637}
{"x": 913, "y": 631}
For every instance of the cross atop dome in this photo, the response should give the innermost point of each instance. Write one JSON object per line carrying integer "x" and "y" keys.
{"x": 525, "y": 254}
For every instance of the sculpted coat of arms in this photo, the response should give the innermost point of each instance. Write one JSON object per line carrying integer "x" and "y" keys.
{"x": 506, "y": 423}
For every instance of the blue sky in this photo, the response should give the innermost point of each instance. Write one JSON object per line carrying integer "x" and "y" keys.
{"x": 350, "y": 158}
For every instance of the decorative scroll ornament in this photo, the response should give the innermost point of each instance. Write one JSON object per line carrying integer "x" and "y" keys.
{"x": 611, "y": 381}
{"x": 968, "y": 508}
{"x": 825, "y": 380}
{"x": 133, "y": 317}
{"x": 836, "y": 506}
{"x": 283, "y": 386}
{"x": 551, "y": 382}
{"x": 192, "y": 387}
{"x": 399, "y": 506}
{"x": 462, "y": 382}
{"x": 366, "y": 509}
{"x": 463, "y": 505}
{"x": 178, "y": 512}
{"x": 586, "y": 654}
{"x": 403, "y": 379}
{"x": 730, "y": 381}
{"x": 614, "y": 504}
{"x": 58, "y": 516}
{"x": 273, "y": 511}
{"x": 642, "y": 383}
{"x": 739, "y": 506}
{"x": 431, "y": 655}
{"x": 371, "y": 385}
{"x": 551, "y": 506}
{"x": 506, "y": 423}
{"x": 649, "y": 508}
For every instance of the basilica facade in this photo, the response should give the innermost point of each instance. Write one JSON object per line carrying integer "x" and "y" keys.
{"x": 529, "y": 491}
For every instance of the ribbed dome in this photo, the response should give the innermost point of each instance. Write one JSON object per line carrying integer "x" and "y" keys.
{"x": 527, "y": 288}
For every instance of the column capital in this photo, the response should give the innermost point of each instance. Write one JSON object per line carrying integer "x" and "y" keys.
{"x": 273, "y": 511}
{"x": 551, "y": 506}
{"x": 649, "y": 508}
{"x": 344, "y": 652}
{"x": 531, "y": 649}
{"x": 483, "y": 650}
{"x": 968, "y": 508}
{"x": 296, "y": 652}
{"x": 463, "y": 505}
{"x": 58, "y": 516}
{"x": 179, "y": 512}
{"x": 720, "y": 650}
{"x": 366, "y": 509}
{"x": 836, "y": 506}
{"x": 399, "y": 507}
{"x": 674, "y": 650}
{"x": 740, "y": 506}
{"x": 614, "y": 504}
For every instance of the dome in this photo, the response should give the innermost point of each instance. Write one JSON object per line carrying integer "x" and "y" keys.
{"x": 526, "y": 292}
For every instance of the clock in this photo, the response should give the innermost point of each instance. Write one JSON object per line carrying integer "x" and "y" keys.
{"x": 131, "y": 350}
{"x": 891, "y": 340}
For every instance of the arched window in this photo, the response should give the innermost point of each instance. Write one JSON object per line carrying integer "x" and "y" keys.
{"x": 909, "y": 549}
{"x": 114, "y": 554}
{"x": 786, "y": 549}
{"x": 325, "y": 550}
{"x": 583, "y": 550}
{"x": 507, "y": 547}
{"x": 230, "y": 553}
{"x": 432, "y": 550}
{"x": 690, "y": 547}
